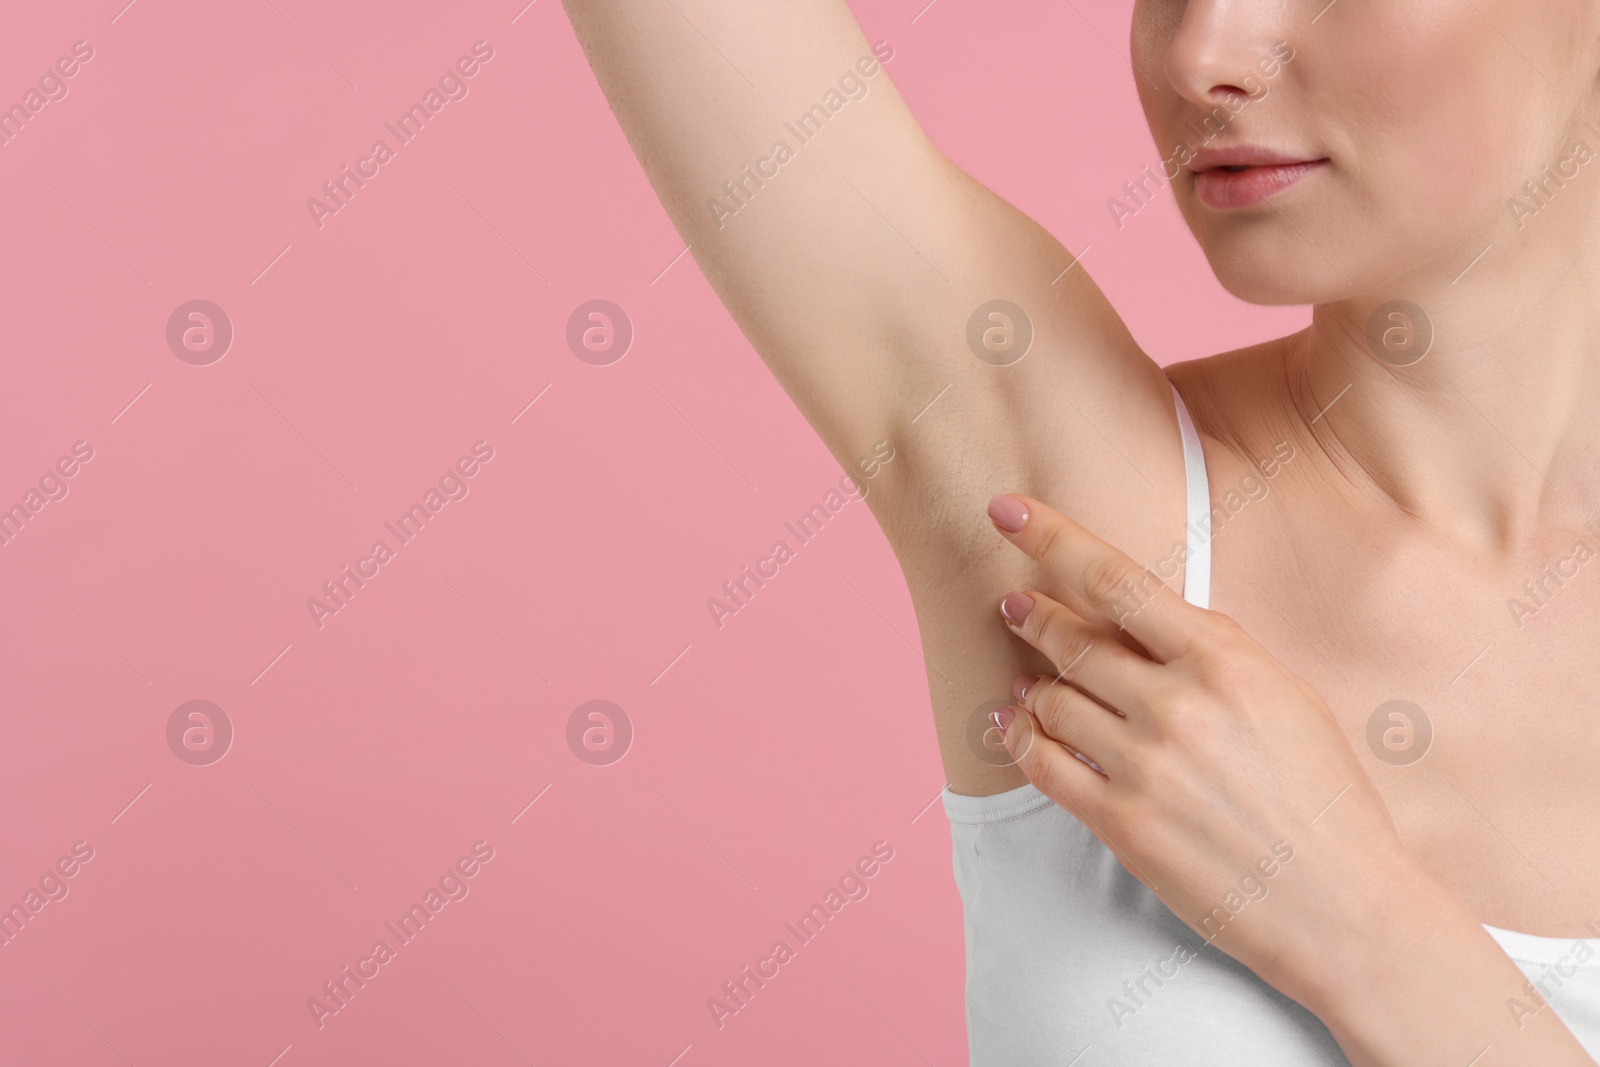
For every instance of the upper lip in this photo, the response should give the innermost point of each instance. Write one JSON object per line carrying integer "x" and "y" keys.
{"x": 1243, "y": 156}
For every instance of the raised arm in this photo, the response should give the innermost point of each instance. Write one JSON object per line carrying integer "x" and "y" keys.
{"x": 849, "y": 250}
{"x": 860, "y": 263}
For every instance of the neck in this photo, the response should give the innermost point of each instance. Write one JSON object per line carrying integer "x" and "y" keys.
{"x": 1493, "y": 436}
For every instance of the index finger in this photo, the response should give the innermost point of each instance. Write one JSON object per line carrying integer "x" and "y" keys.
{"x": 1100, "y": 576}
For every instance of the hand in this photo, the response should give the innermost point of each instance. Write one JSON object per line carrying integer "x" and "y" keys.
{"x": 1224, "y": 784}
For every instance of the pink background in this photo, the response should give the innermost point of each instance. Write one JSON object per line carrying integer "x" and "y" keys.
{"x": 368, "y": 355}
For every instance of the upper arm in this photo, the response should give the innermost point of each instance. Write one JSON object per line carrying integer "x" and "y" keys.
{"x": 851, "y": 252}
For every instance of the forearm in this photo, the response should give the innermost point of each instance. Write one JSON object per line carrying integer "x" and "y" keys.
{"x": 1422, "y": 982}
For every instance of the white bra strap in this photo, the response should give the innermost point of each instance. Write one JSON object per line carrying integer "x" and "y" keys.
{"x": 1197, "y": 562}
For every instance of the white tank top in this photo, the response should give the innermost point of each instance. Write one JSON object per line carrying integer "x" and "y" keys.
{"x": 1072, "y": 962}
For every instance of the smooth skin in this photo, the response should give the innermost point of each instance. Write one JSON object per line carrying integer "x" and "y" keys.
{"x": 1420, "y": 501}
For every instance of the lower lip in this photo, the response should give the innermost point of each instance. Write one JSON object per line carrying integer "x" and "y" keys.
{"x": 1229, "y": 189}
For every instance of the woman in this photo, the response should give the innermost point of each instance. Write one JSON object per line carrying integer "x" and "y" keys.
{"x": 1210, "y": 836}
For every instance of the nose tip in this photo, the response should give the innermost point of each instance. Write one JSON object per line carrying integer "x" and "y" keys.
{"x": 1222, "y": 53}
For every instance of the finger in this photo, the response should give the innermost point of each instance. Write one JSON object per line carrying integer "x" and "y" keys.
{"x": 1051, "y": 767}
{"x": 1084, "y": 655}
{"x": 1076, "y": 720}
{"x": 1100, "y": 579}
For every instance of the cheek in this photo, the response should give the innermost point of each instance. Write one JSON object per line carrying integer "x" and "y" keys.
{"x": 1440, "y": 169}
{"x": 1446, "y": 128}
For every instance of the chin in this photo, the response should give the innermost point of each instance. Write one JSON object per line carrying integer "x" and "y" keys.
{"x": 1272, "y": 275}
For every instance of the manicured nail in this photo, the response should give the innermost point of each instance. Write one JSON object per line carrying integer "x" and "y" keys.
{"x": 1023, "y": 684}
{"x": 1002, "y": 718}
{"x": 1008, "y": 513}
{"x": 1015, "y": 607}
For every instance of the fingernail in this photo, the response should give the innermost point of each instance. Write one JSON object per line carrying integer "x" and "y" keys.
{"x": 1023, "y": 684}
{"x": 1002, "y": 717}
{"x": 1015, "y": 607}
{"x": 1008, "y": 513}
